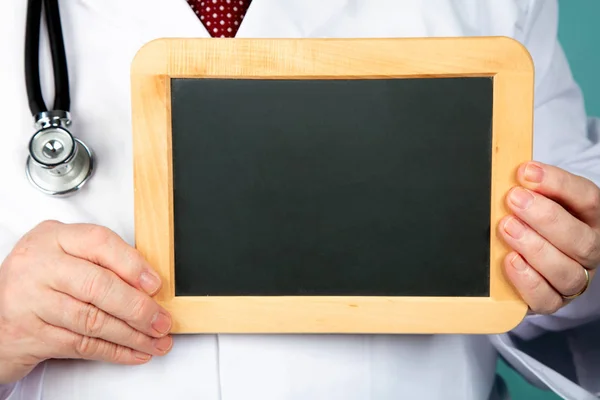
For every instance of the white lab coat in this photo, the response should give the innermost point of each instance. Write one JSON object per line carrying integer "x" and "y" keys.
{"x": 102, "y": 36}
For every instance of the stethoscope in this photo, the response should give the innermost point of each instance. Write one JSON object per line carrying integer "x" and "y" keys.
{"x": 58, "y": 163}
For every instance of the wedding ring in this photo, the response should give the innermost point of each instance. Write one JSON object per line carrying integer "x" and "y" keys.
{"x": 587, "y": 284}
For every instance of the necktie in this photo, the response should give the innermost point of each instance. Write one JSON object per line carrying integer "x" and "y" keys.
{"x": 222, "y": 18}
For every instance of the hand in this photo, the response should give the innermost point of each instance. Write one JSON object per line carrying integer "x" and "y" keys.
{"x": 555, "y": 235}
{"x": 77, "y": 291}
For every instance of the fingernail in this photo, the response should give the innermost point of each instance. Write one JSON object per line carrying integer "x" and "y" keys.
{"x": 161, "y": 323}
{"x": 149, "y": 282}
{"x": 521, "y": 198}
{"x": 141, "y": 356}
{"x": 163, "y": 344}
{"x": 514, "y": 228}
{"x": 518, "y": 263}
{"x": 533, "y": 173}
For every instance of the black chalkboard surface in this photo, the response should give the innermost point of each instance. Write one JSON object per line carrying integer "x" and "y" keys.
{"x": 330, "y": 185}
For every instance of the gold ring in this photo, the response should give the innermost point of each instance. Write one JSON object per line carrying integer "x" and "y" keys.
{"x": 587, "y": 284}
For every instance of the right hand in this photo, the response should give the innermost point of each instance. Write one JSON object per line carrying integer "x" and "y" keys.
{"x": 77, "y": 291}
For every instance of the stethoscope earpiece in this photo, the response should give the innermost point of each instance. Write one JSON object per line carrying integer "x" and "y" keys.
{"x": 58, "y": 164}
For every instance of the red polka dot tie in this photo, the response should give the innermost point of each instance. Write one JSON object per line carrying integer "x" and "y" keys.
{"x": 222, "y": 18}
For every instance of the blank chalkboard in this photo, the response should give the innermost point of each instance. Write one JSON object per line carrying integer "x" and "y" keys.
{"x": 332, "y": 185}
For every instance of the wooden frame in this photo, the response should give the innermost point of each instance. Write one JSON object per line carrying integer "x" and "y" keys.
{"x": 156, "y": 63}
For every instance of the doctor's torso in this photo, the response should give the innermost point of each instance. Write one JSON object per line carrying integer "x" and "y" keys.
{"x": 102, "y": 37}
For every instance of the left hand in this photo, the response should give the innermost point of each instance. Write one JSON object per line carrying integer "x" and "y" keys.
{"x": 555, "y": 234}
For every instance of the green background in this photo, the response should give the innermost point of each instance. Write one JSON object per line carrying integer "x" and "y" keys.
{"x": 579, "y": 33}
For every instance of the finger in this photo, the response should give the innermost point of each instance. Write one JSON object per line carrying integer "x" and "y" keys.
{"x": 64, "y": 311}
{"x": 561, "y": 272}
{"x": 62, "y": 343}
{"x": 573, "y": 237}
{"x": 92, "y": 284}
{"x": 533, "y": 288}
{"x": 573, "y": 192}
{"x": 103, "y": 247}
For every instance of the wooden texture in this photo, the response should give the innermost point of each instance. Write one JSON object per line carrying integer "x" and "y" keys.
{"x": 159, "y": 61}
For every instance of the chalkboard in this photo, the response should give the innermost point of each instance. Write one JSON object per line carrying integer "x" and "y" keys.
{"x": 279, "y": 191}
{"x": 332, "y": 187}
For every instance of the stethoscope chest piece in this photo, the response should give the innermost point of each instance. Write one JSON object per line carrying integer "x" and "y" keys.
{"x": 58, "y": 164}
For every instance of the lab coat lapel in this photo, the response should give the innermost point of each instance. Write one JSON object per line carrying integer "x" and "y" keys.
{"x": 288, "y": 19}
{"x": 163, "y": 18}
{"x": 175, "y": 18}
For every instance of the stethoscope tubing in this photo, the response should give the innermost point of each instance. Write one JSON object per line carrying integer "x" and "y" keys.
{"x": 58, "y": 164}
{"x": 62, "y": 99}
